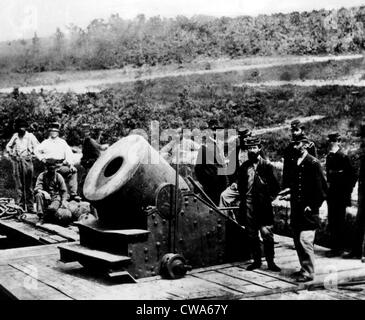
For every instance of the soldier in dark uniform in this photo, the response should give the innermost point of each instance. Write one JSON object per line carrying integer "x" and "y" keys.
{"x": 297, "y": 130}
{"x": 91, "y": 149}
{"x": 210, "y": 168}
{"x": 308, "y": 189}
{"x": 257, "y": 187}
{"x": 358, "y": 241}
{"x": 341, "y": 179}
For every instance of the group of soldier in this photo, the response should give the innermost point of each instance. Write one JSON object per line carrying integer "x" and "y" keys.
{"x": 252, "y": 186}
{"x": 58, "y": 184}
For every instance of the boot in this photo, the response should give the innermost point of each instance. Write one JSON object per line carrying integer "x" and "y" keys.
{"x": 273, "y": 267}
{"x": 254, "y": 265}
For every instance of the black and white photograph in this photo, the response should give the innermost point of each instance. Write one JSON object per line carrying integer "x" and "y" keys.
{"x": 196, "y": 152}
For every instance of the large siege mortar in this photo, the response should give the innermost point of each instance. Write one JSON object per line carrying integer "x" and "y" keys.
{"x": 145, "y": 224}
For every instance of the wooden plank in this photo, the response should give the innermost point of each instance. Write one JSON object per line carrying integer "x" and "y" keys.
{"x": 16, "y": 227}
{"x": 70, "y": 285}
{"x": 21, "y": 253}
{"x": 227, "y": 281}
{"x": 21, "y": 286}
{"x": 68, "y": 233}
{"x": 258, "y": 278}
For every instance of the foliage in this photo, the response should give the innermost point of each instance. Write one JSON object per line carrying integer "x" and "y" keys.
{"x": 116, "y": 42}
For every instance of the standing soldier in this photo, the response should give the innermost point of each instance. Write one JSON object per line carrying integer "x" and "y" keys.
{"x": 21, "y": 150}
{"x": 230, "y": 196}
{"x": 358, "y": 241}
{"x": 341, "y": 179}
{"x": 210, "y": 168}
{"x": 258, "y": 187}
{"x": 297, "y": 130}
{"x": 91, "y": 149}
{"x": 56, "y": 148}
{"x": 308, "y": 189}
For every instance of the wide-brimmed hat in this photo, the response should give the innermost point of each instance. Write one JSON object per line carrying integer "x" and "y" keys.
{"x": 52, "y": 163}
{"x": 20, "y": 123}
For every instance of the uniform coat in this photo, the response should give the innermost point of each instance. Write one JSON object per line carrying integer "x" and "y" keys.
{"x": 308, "y": 189}
{"x": 290, "y": 161}
{"x": 264, "y": 190}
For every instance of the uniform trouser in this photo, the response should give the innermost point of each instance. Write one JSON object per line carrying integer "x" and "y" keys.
{"x": 336, "y": 223}
{"x": 23, "y": 176}
{"x": 47, "y": 208}
{"x": 253, "y": 228}
{"x": 229, "y": 198}
{"x": 304, "y": 244}
{"x": 70, "y": 179}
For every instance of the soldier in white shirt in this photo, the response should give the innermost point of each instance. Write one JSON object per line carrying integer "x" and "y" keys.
{"x": 21, "y": 148}
{"x": 56, "y": 148}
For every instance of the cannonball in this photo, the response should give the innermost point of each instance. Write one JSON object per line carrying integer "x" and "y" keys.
{"x": 63, "y": 217}
{"x": 87, "y": 218}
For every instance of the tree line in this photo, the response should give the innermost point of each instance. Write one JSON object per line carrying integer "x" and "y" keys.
{"x": 117, "y": 42}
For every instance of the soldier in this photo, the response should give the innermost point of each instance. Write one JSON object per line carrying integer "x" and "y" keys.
{"x": 289, "y": 154}
{"x": 21, "y": 150}
{"x": 56, "y": 148}
{"x": 91, "y": 149}
{"x": 341, "y": 179}
{"x": 257, "y": 187}
{"x": 230, "y": 196}
{"x": 358, "y": 241}
{"x": 51, "y": 191}
{"x": 308, "y": 189}
{"x": 210, "y": 166}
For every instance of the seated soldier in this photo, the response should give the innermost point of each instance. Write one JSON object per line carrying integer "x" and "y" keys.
{"x": 51, "y": 191}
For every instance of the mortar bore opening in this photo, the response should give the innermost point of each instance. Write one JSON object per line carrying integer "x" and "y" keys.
{"x": 113, "y": 167}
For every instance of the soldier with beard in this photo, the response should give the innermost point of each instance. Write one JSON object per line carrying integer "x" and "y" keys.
{"x": 257, "y": 188}
{"x": 308, "y": 190}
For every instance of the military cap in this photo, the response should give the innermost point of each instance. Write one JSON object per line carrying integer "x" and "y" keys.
{"x": 244, "y": 133}
{"x": 251, "y": 142}
{"x": 334, "y": 137}
{"x": 295, "y": 124}
{"x": 214, "y": 124}
{"x": 301, "y": 138}
{"x": 54, "y": 126}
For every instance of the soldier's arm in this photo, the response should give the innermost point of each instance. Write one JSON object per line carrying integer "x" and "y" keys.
{"x": 320, "y": 185}
{"x": 10, "y": 145}
{"x": 39, "y": 151}
{"x": 62, "y": 188}
{"x": 274, "y": 186}
{"x": 350, "y": 173}
{"x": 39, "y": 186}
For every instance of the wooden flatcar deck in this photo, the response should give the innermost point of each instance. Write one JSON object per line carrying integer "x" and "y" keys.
{"x": 36, "y": 273}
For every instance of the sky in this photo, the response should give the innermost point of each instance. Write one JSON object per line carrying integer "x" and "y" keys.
{"x": 21, "y": 18}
